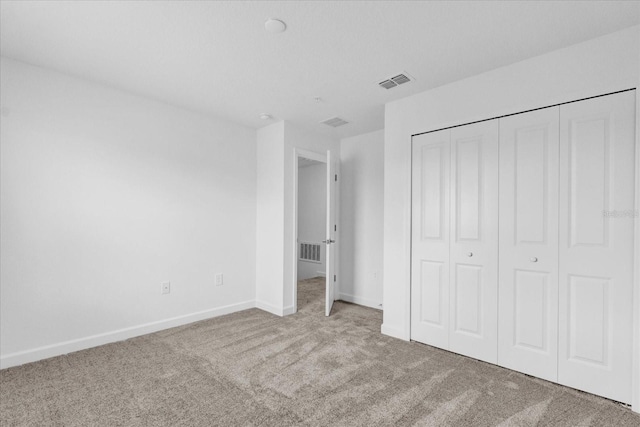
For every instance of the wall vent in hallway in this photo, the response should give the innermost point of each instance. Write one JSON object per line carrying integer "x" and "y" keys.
{"x": 310, "y": 252}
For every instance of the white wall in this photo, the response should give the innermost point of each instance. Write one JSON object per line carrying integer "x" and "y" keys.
{"x": 270, "y": 218}
{"x": 312, "y": 215}
{"x": 361, "y": 218}
{"x": 104, "y": 195}
{"x": 599, "y": 66}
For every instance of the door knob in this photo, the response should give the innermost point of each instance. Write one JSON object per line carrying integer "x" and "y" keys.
{"x": 470, "y": 254}
{"x": 534, "y": 259}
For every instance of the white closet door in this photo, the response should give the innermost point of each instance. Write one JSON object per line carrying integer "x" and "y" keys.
{"x": 473, "y": 300}
{"x": 528, "y": 290}
{"x": 596, "y": 245}
{"x": 430, "y": 239}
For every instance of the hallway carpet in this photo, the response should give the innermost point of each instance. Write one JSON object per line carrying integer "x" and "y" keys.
{"x": 252, "y": 368}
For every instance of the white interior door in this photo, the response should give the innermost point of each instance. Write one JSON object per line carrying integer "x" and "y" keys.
{"x": 473, "y": 293}
{"x": 597, "y": 156}
{"x": 331, "y": 234}
{"x": 528, "y": 273}
{"x": 430, "y": 238}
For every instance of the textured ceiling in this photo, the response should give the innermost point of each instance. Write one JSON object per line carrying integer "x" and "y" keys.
{"x": 216, "y": 58}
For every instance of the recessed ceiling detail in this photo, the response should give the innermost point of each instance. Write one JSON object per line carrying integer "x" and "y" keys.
{"x": 334, "y": 122}
{"x": 394, "y": 81}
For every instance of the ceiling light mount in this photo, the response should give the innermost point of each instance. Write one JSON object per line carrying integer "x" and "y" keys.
{"x": 266, "y": 116}
{"x": 275, "y": 26}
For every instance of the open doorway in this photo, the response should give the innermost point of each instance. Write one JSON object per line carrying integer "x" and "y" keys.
{"x": 311, "y": 258}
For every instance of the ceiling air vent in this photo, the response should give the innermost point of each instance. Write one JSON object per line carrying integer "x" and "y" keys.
{"x": 334, "y": 122}
{"x": 388, "y": 84}
{"x": 395, "y": 81}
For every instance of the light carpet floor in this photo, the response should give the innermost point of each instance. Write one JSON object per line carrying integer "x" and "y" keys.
{"x": 252, "y": 368}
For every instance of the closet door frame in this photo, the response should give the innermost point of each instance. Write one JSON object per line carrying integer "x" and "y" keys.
{"x": 635, "y": 392}
{"x": 635, "y": 369}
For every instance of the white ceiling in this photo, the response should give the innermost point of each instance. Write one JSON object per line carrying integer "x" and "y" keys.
{"x": 216, "y": 58}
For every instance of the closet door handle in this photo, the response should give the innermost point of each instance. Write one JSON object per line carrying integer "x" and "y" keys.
{"x": 533, "y": 259}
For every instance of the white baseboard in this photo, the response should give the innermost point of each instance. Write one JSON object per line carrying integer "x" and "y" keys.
{"x": 394, "y": 332}
{"x": 269, "y": 308}
{"x": 359, "y": 300}
{"x": 321, "y": 273}
{"x": 273, "y": 309}
{"x": 45, "y": 352}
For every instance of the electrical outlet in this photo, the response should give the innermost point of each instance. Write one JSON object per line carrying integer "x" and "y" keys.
{"x": 165, "y": 288}
{"x": 219, "y": 280}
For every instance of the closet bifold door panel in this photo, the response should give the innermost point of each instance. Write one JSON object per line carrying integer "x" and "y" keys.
{"x": 522, "y": 242}
{"x": 596, "y": 245}
{"x": 430, "y": 239}
{"x": 528, "y": 267}
{"x": 473, "y": 256}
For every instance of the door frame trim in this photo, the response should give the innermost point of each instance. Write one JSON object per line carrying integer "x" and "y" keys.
{"x": 635, "y": 369}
